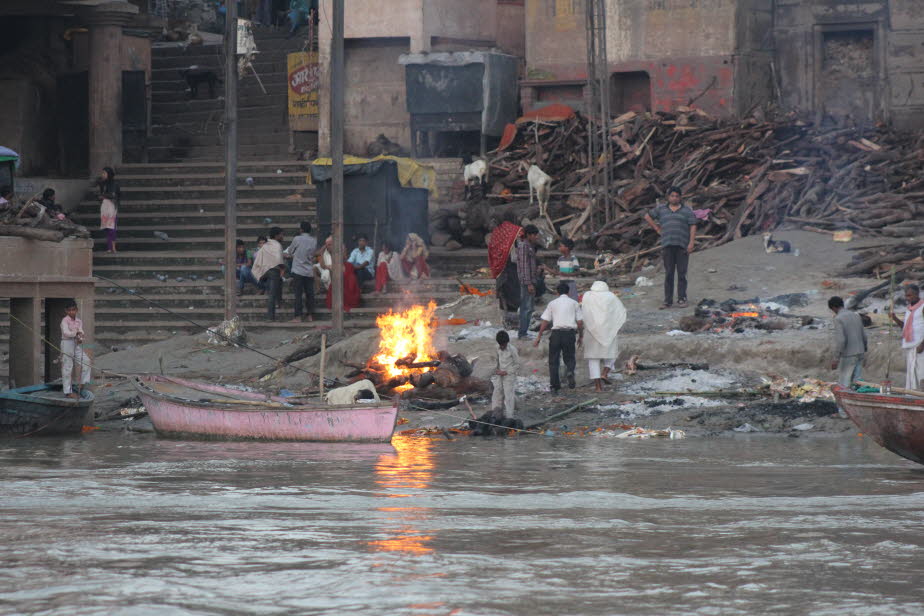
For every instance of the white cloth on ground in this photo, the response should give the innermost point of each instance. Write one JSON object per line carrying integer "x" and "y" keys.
{"x": 347, "y": 395}
{"x": 604, "y": 315}
{"x": 595, "y": 366}
{"x": 72, "y": 352}
{"x": 914, "y": 369}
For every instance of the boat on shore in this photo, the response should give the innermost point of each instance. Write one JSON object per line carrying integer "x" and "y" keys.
{"x": 181, "y": 408}
{"x": 43, "y": 410}
{"x": 895, "y": 421}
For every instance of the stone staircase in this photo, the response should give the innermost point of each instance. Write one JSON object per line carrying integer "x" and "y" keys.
{"x": 192, "y": 130}
{"x": 180, "y": 193}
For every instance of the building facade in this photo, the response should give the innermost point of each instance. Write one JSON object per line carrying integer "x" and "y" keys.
{"x": 377, "y": 36}
{"x": 857, "y": 61}
{"x": 62, "y": 70}
{"x": 661, "y": 53}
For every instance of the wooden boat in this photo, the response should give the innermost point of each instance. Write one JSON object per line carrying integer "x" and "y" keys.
{"x": 894, "y": 421}
{"x": 181, "y": 408}
{"x": 43, "y": 410}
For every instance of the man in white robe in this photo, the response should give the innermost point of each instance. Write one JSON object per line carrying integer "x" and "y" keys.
{"x": 604, "y": 315}
{"x": 913, "y": 337}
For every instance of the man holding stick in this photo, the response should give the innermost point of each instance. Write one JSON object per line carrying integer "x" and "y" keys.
{"x": 676, "y": 224}
{"x": 912, "y": 337}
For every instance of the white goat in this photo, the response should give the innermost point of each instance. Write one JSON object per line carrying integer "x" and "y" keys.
{"x": 477, "y": 170}
{"x": 540, "y": 184}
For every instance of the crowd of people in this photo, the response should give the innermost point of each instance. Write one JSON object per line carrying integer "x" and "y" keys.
{"x": 309, "y": 268}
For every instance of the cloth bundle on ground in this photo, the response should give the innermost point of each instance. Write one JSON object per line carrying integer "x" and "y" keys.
{"x": 347, "y": 395}
{"x": 493, "y": 423}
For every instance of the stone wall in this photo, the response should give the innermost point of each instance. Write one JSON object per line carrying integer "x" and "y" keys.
{"x": 858, "y": 61}
{"x": 663, "y": 53}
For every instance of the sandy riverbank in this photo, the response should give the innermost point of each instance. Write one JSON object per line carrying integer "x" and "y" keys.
{"x": 740, "y": 270}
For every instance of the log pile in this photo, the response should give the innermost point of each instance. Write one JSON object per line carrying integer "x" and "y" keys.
{"x": 743, "y": 176}
{"x": 906, "y": 257}
{"x": 31, "y": 220}
{"x": 448, "y": 377}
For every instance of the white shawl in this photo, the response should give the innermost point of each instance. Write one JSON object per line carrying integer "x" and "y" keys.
{"x": 604, "y": 315}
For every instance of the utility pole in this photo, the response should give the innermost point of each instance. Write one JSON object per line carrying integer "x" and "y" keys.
{"x": 337, "y": 88}
{"x": 230, "y": 158}
{"x": 599, "y": 145}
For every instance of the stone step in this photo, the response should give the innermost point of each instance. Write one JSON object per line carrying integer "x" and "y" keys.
{"x": 252, "y": 302}
{"x": 163, "y": 222}
{"x": 250, "y": 137}
{"x": 207, "y": 153}
{"x": 154, "y": 209}
{"x": 271, "y": 81}
{"x": 180, "y": 233}
{"x": 212, "y": 126}
{"x": 248, "y": 167}
{"x": 260, "y": 178}
{"x": 279, "y": 192}
{"x": 179, "y": 105}
{"x": 191, "y": 115}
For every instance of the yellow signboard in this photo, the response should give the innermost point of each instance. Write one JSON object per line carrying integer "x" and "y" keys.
{"x": 304, "y": 81}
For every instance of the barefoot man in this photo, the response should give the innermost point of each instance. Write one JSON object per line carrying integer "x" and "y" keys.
{"x": 604, "y": 314}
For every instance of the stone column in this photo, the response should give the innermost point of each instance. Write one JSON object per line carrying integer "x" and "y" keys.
{"x": 25, "y": 341}
{"x": 105, "y": 23}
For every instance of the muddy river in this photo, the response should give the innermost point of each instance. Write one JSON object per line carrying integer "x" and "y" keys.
{"x": 129, "y": 524}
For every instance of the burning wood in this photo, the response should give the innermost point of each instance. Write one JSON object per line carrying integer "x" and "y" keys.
{"x": 406, "y": 358}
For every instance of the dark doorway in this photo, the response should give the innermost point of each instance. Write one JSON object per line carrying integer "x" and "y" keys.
{"x": 630, "y": 91}
{"x": 847, "y": 81}
{"x": 134, "y": 116}
{"x": 73, "y": 115}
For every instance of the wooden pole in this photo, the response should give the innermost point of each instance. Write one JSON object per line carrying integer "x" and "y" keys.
{"x": 323, "y": 362}
{"x": 337, "y": 95}
{"x": 230, "y": 158}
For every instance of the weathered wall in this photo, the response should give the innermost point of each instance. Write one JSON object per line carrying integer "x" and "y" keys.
{"x": 859, "y": 59}
{"x": 511, "y": 27}
{"x": 375, "y": 87}
{"x": 690, "y": 49}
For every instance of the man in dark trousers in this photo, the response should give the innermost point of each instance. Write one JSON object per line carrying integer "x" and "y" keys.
{"x": 564, "y": 316}
{"x": 676, "y": 224}
{"x": 529, "y": 276}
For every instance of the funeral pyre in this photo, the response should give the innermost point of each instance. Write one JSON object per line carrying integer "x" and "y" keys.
{"x": 406, "y": 361}
{"x": 739, "y": 316}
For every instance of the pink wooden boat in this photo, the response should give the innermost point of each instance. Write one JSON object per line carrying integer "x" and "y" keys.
{"x": 894, "y": 421}
{"x": 180, "y": 408}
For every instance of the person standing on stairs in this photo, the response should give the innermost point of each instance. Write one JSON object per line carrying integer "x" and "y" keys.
{"x": 266, "y": 269}
{"x": 302, "y": 251}
{"x": 109, "y": 196}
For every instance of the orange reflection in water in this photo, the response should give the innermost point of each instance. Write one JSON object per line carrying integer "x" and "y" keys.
{"x": 408, "y": 470}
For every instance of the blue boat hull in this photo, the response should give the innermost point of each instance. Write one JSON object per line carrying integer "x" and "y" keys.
{"x": 41, "y": 410}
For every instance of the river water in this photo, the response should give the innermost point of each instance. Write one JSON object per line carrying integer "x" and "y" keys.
{"x": 134, "y": 525}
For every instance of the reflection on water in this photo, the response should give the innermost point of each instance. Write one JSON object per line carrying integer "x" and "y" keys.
{"x": 403, "y": 474}
{"x": 132, "y": 525}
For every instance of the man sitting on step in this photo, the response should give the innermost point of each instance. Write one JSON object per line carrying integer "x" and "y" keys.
{"x": 267, "y": 266}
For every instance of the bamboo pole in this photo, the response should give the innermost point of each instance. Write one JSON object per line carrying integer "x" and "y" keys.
{"x": 323, "y": 362}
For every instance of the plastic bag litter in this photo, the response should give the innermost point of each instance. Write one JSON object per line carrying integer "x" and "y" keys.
{"x": 805, "y": 391}
{"x": 646, "y": 433}
{"x": 746, "y": 428}
{"x": 644, "y": 281}
{"x": 803, "y": 427}
{"x": 228, "y": 333}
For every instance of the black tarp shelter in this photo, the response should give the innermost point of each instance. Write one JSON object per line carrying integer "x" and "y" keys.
{"x": 374, "y": 203}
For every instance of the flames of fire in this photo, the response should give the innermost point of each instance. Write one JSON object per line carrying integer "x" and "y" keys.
{"x": 405, "y": 334}
{"x": 749, "y": 310}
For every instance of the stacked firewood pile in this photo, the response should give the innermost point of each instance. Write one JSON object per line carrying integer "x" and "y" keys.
{"x": 741, "y": 176}
{"x": 33, "y": 221}
{"x": 905, "y": 258}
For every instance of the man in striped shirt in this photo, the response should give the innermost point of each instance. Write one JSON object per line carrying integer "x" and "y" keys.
{"x": 676, "y": 224}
